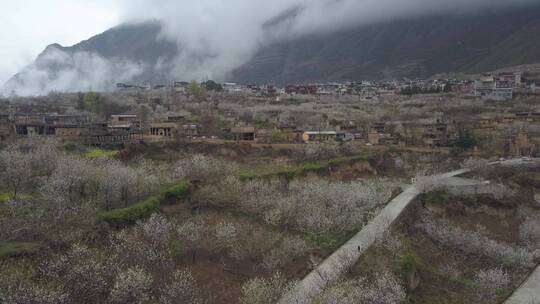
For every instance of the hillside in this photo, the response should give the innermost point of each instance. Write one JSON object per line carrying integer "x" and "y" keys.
{"x": 403, "y": 48}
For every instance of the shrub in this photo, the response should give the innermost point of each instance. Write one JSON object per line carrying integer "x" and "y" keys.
{"x": 98, "y": 153}
{"x": 9, "y": 249}
{"x": 490, "y": 282}
{"x": 132, "y": 286}
{"x": 384, "y": 289}
{"x": 225, "y": 235}
{"x": 203, "y": 167}
{"x": 84, "y": 273}
{"x": 439, "y": 197}
{"x": 289, "y": 249}
{"x": 408, "y": 263}
{"x": 529, "y": 232}
{"x": 177, "y": 191}
{"x": 181, "y": 289}
{"x": 132, "y": 214}
{"x": 147, "y": 243}
{"x": 474, "y": 242}
{"x": 264, "y": 291}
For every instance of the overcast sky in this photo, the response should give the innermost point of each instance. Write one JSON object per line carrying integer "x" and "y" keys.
{"x": 30, "y": 25}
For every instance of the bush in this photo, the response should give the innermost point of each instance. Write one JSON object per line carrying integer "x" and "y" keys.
{"x": 264, "y": 291}
{"x": 474, "y": 242}
{"x": 490, "y": 282}
{"x": 177, "y": 191}
{"x": 132, "y": 286}
{"x": 409, "y": 263}
{"x": 439, "y": 197}
{"x": 384, "y": 288}
{"x": 9, "y": 249}
{"x": 132, "y": 214}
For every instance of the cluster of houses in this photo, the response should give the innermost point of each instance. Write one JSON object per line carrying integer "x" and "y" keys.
{"x": 501, "y": 86}
{"x": 497, "y": 87}
{"x": 119, "y": 129}
{"x": 439, "y": 133}
{"x": 127, "y": 128}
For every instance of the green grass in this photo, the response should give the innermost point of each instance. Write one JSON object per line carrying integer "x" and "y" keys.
{"x": 409, "y": 260}
{"x": 142, "y": 210}
{"x": 439, "y": 197}
{"x": 6, "y": 196}
{"x": 11, "y": 249}
{"x": 177, "y": 191}
{"x": 131, "y": 214}
{"x": 299, "y": 169}
{"x": 97, "y": 153}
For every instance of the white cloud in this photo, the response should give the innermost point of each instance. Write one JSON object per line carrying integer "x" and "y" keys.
{"x": 81, "y": 71}
{"x": 215, "y": 36}
{"x": 29, "y": 25}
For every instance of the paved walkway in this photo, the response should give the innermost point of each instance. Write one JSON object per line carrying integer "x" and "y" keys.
{"x": 528, "y": 292}
{"x": 347, "y": 255}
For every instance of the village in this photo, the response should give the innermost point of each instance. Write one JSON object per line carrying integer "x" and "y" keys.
{"x": 211, "y": 112}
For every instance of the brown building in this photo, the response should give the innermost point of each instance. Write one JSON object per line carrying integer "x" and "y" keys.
{"x": 486, "y": 123}
{"x": 98, "y": 134}
{"x": 376, "y": 138}
{"x": 6, "y": 127}
{"x": 520, "y": 145}
{"x": 69, "y": 131}
{"x": 243, "y": 133}
{"x": 436, "y": 135}
{"x": 162, "y": 129}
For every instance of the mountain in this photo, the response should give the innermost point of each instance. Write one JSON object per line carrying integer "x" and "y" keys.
{"x": 126, "y": 53}
{"x": 414, "y": 47}
{"x": 419, "y": 47}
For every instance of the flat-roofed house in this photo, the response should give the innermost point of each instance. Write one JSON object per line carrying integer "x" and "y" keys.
{"x": 98, "y": 134}
{"x": 162, "y": 129}
{"x": 243, "y": 133}
{"x": 323, "y": 136}
{"x": 520, "y": 145}
{"x": 5, "y": 127}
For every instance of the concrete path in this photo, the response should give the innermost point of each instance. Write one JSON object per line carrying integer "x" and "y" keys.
{"x": 347, "y": 255}
{"x": 528, "y": 292}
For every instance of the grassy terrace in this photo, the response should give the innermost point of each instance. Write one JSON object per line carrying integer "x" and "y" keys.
{"x": 6, "y": 196}
{"x": 97, "y": 153}
{"x": 9, "y": 249}
{"x": 299, "y": 169}
{"x": 141, "y": 210}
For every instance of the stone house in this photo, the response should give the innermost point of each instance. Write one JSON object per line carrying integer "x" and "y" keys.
{"x": 6, "y": 127}
{"x": 520, "y": 145}
{"x": 162, "y": 129}
{"x": 322, "y": 136}
{"x": 243, "y": 133}
{"x": 486, "y": 123}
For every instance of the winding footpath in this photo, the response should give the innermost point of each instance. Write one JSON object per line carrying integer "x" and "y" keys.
{"x": 346, "y": 256}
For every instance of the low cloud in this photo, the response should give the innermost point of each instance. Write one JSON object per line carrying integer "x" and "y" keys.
{"x": 57, "y": 70}
{"x": 217, "y": 36}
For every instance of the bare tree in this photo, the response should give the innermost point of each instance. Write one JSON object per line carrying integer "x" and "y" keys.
{"x": 16, "y": 169}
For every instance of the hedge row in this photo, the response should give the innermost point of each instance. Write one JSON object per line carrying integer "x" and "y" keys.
{"x": 300, "y": 169}
{"x": 177, "y": 191}
{"x": 142, "y": 210}
{"x": 131, "y": 214}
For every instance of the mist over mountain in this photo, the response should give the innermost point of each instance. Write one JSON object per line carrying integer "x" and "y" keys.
{"x": 419, "y": 47}
{"x": 411, "y": 46}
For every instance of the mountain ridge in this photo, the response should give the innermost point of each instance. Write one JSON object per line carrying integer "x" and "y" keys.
{"x": 414, "y": 47}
